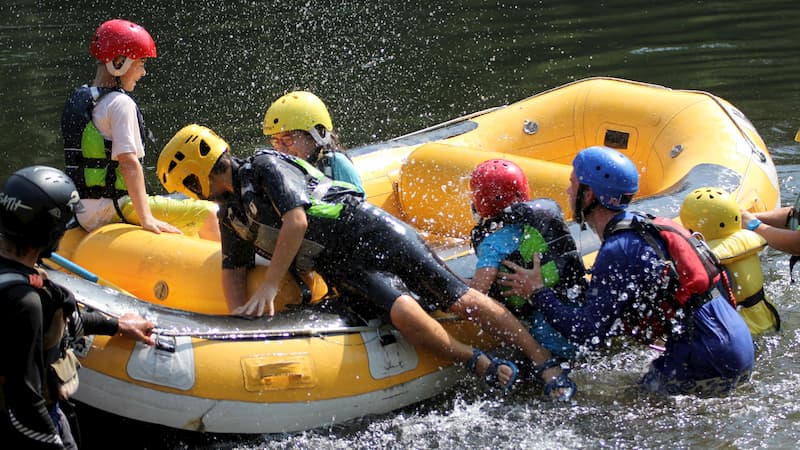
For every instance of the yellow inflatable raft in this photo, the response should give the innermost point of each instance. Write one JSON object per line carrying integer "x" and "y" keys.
{"x": 319, "y": 361}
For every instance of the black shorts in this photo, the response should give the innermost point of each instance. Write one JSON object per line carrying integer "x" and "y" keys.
{"x": 380, "y": 258}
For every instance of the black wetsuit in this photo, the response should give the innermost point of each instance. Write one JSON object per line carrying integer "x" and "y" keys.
{"x": 358, "y": 248}
{"x": 25, "y": 314}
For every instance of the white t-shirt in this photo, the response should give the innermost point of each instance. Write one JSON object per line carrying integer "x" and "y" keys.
{"x": 115, "y": 118}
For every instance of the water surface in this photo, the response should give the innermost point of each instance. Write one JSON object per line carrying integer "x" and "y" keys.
{"x": 386, "y": 68}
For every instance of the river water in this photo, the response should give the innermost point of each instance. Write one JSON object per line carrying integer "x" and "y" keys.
{"x": 386, "y": 68}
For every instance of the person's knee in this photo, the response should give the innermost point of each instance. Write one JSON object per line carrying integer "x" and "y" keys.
{"x": 408, "y": 316}
{"x": 403, "y": 307}
{"x": 471, "y": 303}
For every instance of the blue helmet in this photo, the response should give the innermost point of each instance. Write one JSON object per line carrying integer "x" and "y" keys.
{"x": 611, "y": 175}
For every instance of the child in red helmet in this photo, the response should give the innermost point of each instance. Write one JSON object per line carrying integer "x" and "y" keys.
{"x": 104, "y": 142}
{"x": 511, "y": 227}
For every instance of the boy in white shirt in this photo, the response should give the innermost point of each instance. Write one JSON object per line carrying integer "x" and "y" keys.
{"x": 104, "y": 136}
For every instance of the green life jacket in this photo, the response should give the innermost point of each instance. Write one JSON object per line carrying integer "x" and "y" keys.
{"x": 544, "y": 232}
{"x": 87, "y": 154}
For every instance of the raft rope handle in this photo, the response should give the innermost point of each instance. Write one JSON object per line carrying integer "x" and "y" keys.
{"x": 215, "y": 335}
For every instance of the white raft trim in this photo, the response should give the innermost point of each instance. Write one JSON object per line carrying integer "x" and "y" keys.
{"x": 225, "y": 416}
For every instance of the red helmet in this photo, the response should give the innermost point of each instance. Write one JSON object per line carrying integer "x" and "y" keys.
{"x": 118, "y": 37}
{"x": 496, "y": 184}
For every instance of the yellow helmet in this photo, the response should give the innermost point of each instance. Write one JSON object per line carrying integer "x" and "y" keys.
{"x": 186, "y": 161}
{"x": 711, "y": 211}
{"x": 298, "y": 110}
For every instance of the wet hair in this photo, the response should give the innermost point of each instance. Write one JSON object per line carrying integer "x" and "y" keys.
{"x": 222, "y": 164}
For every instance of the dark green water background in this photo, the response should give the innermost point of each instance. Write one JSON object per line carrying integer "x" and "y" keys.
{"x": 386, "y": 68}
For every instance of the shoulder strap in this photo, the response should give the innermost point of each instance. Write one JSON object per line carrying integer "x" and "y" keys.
{"x": 11, "y": 278}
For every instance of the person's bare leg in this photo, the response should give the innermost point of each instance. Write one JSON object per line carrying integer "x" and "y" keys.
{"x": 422, "y": 330}
{"x": 498, "y": 320}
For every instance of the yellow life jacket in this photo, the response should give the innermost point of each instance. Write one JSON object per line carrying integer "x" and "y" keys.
{"x": 738, "y": 252}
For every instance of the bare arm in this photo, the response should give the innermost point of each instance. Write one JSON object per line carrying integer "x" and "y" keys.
{"x": 234, "y": 285}
{"x": 483, "y": 279}
{"x": 773, "y": 230}
{"x": 133, "y": 175}
{"x": 290, "y": 237}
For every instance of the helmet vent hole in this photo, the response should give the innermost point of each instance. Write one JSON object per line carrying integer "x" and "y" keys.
{"x": 172, "y": 165}
{"x": 275, "y": 121}
{"x": 205, "y": 149}
{"x": 179, "y": 156}
{"x": 722, "y": 224}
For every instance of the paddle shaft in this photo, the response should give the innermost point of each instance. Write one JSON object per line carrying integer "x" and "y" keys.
{"x": 83, "y": 273}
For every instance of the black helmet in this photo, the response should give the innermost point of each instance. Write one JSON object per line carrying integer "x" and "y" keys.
{"x": 35, "y": 205}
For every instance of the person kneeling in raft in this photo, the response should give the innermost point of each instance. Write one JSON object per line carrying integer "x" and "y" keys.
{"x": 714, "y": 213}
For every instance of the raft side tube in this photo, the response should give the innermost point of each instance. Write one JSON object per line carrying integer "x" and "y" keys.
{"x": 175, "y": 270}
{"x": 434, "y": 193}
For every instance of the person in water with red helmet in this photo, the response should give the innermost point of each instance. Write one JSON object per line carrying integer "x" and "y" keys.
{"x": 104, "y": 142}
{"x": 512, "y": 226}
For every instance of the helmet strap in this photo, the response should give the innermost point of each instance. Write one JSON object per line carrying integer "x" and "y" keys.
{"x": 580, "y": 211}
{"x": 122, "y": 69}
{"x": 322, "y": 139}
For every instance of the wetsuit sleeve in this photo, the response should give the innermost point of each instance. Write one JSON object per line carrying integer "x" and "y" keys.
{"x": 623, "y": 271}
{"x": 27, "y": 419}
{"x": 496, "y": 247}
{"x": 95, "y": 323}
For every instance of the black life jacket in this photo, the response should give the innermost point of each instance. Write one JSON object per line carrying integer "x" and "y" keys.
{"x": 691, "y": 277}
{"x": 58, "y": 304}
{"x": 87, "y": 154}
{"x": 546, "y": 233}
{"x": 324, "y": 160}
{"x": 254, "y": 222}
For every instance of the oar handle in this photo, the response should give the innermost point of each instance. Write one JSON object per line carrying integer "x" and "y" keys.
{"x": 83, "y": 273}
{"x": 74, "y": 268}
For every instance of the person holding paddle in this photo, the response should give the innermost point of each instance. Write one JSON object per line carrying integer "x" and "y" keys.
{"x": 39, "y": 320}
{"x": 283, "y": 208}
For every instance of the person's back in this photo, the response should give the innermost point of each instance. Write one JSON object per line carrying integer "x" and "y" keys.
{"x": 709, "y": 349}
